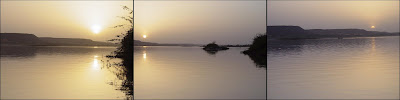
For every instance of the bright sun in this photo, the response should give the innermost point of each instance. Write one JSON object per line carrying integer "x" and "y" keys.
{"x": 96, "y": 29}
{"x": 144, "y": 36}
{"x": 372, "y": 26}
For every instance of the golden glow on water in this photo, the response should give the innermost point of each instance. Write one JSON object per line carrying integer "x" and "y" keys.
{"x": 95, "y": 64}
{"x": 369, "y": 72}
{"x": 58, "y": 74}
{"x": 144, "y": 56}
{"x": 373, "y": 46}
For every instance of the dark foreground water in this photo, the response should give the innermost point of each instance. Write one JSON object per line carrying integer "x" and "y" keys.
{"x": 57, "y": 73}
{"x": 191, "y": 73}
{"x": 358, "y": 68}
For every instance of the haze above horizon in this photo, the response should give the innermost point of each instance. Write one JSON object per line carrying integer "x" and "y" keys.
{"x": 199, "y": 22}
{"x": 64, "y": 19}
{"x": 368, "y": 15}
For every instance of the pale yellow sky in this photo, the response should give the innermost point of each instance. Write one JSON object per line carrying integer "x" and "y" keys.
{"x": 66, "y": 19}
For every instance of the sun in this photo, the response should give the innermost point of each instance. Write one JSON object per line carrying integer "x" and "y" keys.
{"x": 96, "y": 29}
{"x": 144, "y": 36}
{"x": 372, "y": 26}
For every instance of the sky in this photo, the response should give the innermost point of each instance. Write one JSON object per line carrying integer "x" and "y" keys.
{"x": 324, "y": 14}
{"x": 199, "y": 22}
{"x": 64, "y": 19}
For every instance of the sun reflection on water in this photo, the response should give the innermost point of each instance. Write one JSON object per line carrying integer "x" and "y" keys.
{"x": 373, "y": 48}
{"x": 95, "y": 64}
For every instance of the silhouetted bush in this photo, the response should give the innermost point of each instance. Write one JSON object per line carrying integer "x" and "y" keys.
{"x": 125, "y": 53}
{"x": 258, "y": 50}
{"x": 259, "y": 45}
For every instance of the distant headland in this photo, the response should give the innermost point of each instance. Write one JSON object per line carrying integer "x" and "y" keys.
{"x": 24, "y": 39}
{"x": 296, "y": 32}
{"x": 141, "y": 43}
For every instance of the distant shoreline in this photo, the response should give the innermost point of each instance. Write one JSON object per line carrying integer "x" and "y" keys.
{"x": 296, "y": 33}
{"x": 331, "y": 38}
{"x": 6, "y": 45}
{"x": 185, "y": 46}
{"x": 24, "y": 39}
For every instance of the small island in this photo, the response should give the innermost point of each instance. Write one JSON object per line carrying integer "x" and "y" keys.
{"x": 213, "y": 47}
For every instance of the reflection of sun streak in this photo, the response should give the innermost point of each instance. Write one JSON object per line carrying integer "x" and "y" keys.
{"x": 95, "y": 64}
{"x": 373, "y": 44}
{"x": 144, "y": 55}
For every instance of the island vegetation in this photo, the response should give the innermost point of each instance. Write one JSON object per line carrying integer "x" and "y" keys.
{"x": 257, "y": 50}
{"x": 214, "y": 47}
{"x": 124, "y": 69}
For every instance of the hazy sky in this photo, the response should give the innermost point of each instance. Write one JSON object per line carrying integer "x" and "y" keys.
{"x": 200, "y": 22}
{"x": 72, "y": 19}
{"x": 312, "y": 14}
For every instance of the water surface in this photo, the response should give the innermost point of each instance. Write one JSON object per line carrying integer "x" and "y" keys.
{"x": 56, "y": 73}
{"x": 356, "y": 68}
{"x": 192, "y": 73}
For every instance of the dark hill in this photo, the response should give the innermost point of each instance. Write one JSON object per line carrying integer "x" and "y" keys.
{"x": 286, "y": 32}
{"x": 296, "y": 32}
{"x": 140, "y": 43}
{"x": 326, "y": 33}
{"x": 32, "y": 40}
{"x": 73, "y": 42}
{"x": 19, "y": 38}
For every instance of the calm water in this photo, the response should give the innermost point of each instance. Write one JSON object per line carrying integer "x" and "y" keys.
{"x": 191, "y": 73}
{"x": 160, "y": 72}
{"x": 56, "y": 73}
{"x": 358, "y": 68}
